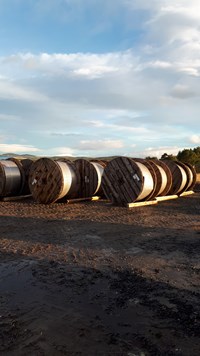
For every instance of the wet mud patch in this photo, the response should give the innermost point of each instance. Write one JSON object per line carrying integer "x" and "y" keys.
{"x": 51, "y": 308}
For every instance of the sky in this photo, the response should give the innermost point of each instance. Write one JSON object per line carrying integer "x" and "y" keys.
{"x": 99, "y": 77}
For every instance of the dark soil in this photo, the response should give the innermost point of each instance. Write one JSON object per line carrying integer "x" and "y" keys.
{"x": 93, "y": 279}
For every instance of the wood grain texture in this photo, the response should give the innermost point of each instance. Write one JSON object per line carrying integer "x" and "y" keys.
{"x": 88, "y": 178}
{"x": 185, "y": 194}
{"x": 45, "y": 181}
{"x": 122, "y": 181}
{"x": 167, "y": 197}
{"x": 142, "y": 203}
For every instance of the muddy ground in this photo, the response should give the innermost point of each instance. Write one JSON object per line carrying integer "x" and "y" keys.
{"x": 94, "y": 279}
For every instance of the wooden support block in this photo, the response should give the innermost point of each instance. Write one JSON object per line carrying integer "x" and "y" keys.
{"x": 18, "y": 197}
{"x": 141, "y": 203}
{"x": 167, "y": 197}
{"x": 184, "y": 194}
{"x": 78, "y": 200}
{"x": 95, "y": 198}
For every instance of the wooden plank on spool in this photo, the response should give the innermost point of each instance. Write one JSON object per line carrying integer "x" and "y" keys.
{"x": 188, "y": 192}
{"x": 46, "y": 180}
{"x": 167, "y": 197}
{"x": 122, "y": 181}
{"x": 142, "y": 203}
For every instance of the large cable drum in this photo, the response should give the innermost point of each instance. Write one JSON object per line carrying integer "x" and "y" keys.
{"x": 179, "y": 177}
{"x": 192, "y": 176}
{"x": 126, "y": 181}
{"x": 51, "y": 180}
{"x": 164, "y": 177}
{"x": 10, "y": 178}
{"x": 90, "y": 177}
{"x": 24, "y": 165}
{"x": 151, "y": 167}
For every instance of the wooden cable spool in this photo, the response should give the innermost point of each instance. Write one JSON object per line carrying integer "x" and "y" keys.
{"x": 125, "y": 181}
{"x": 164, "y": 178}
{"x": 189, "y": 176}
{"x": 90, "y": 177}
{"x": 179, "y": 177}
{"x": 194, "y": 175}
{"x": 51, "y": 180}
{"x": 151, "y": 167}
{"x": 24, "y": 164}
{"x": 11, "y": 178}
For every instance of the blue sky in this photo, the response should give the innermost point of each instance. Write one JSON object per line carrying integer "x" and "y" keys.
{"x": 99, "y": 77}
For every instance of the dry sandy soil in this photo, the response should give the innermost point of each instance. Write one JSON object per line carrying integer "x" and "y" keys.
{"x": 94, "y": 279}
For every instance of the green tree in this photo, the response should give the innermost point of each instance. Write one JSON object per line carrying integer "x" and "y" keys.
{"x": 168, "y": 156}
{"x": 187, "y": 156}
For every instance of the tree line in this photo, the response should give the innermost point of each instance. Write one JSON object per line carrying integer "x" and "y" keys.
{"x": 188, "y": 155}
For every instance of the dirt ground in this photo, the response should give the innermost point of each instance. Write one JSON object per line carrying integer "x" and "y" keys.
{"x": 93, "y": 279}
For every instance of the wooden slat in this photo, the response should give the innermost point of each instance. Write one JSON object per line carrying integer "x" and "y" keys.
{"x": 188, "y": 192}
{"x": 167, "y": 197}
{"x": 142, "y": 203}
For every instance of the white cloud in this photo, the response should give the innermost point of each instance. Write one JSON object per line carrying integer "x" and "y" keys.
{"x": 59, "y": 151}
{"x": 195, "y": 139}
{"x": 159, "y": 151}
{"x": 15, "y": 148}
{"x": 98, "y": 145}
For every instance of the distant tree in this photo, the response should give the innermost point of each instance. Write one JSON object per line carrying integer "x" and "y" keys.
{"x": 149, "y": 158}
{"x": 168, "y": 156}
{"x": 188, "y": 156}
{"x": 197, "y": 151}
